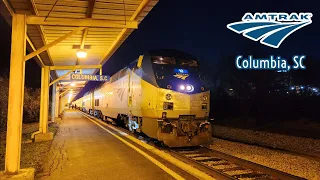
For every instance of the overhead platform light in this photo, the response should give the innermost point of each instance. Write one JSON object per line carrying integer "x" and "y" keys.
{"x": 81, "y": 54}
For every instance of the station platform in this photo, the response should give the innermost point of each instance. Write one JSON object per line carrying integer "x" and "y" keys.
{"x": 83, "y": 150}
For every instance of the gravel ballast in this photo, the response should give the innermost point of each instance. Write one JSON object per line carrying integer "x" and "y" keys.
{"x": 301, "y": 166}
{"x": 279, "y": 141}
{"x": 32, "y": 154}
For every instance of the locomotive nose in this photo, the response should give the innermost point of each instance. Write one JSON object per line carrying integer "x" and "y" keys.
{"x": 189, "y": 128}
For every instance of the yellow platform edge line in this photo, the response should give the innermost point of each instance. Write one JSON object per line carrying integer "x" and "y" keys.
{"x": 186, "y": 167}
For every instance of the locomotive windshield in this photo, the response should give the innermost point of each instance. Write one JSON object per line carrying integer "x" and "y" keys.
{"x": 174, "y": 61}
{"x": 163, "y": 60}
{"x": 173, "y": 57}
{"x": 187, "y": 62}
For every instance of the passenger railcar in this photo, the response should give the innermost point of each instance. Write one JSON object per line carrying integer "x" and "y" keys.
{"x": 78, "y": 104}
{"x": 165, "y": 95}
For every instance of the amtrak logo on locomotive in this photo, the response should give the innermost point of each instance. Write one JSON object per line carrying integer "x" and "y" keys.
{"x": 181, "y": 73}
{"x": 120, "y": 92}
{"x": 181, "y": 76}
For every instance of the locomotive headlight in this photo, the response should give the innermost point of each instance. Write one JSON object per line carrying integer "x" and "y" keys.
{"x": 168, "y": 96}
{"x": 190, "y": 88}
{"x": 186, "y": 87}
{"x": 204, "y": 98}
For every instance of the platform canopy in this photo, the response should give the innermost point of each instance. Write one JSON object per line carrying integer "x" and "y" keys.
{"x": 59, "y": 28}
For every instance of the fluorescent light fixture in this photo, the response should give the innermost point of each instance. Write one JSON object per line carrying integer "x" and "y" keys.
{"x": 81, "y": 53}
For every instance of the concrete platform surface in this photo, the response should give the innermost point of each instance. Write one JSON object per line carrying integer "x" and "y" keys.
{"x": 82, "y": 150}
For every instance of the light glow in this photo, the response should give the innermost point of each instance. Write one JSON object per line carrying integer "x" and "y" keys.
{"x": 81, "y": 54}
{"x": 72, "y": 84}
{"x": 70, "y": 96}
{"x": 186, "y": 87}
{"x": 109, "y": 93}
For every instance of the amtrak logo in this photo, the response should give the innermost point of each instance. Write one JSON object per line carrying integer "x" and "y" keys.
{"x": 270, "y": 28}
{"x": 181, "y": 76}
{"x": 120, "y": 92}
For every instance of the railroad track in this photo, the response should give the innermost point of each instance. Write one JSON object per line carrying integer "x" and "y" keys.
{"x": 224, "y": 166}
{"x": 217, "y": 164}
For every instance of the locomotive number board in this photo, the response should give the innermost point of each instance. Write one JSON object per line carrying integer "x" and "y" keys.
{"x": 187, "y": 117}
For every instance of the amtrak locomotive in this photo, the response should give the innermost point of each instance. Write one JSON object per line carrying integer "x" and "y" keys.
{"x": 161, "y": 94}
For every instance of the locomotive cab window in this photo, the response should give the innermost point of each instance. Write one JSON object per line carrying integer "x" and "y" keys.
{"x": 96, "y": 102}
{"x": 163, "y": 60}
{"x": 168, "y": 105}
{"x": 188, "y": 62}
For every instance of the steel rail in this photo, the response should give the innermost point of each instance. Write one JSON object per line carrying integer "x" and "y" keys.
{"x": 249, "y": 164}
{"x": 207, "y": 169}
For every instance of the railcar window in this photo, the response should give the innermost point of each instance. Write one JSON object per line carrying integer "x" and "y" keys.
{"x": 96, "y": 102}
{"x": 163, "y": 60}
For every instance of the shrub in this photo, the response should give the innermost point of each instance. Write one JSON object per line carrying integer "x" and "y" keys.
{"x": 4, "y": 88}
{"x": 31, "y": 106}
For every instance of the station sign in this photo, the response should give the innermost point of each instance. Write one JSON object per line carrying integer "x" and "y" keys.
{"x": 89, "y": 77}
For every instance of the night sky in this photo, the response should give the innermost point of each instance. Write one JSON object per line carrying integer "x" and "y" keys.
{"x": 197, "y": 27}
{"x": 33, "y": 71}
